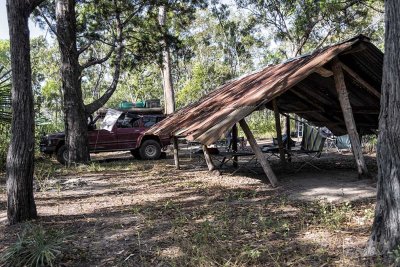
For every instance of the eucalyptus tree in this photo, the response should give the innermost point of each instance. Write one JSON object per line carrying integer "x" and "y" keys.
{"x": 83, "y": 29}
{"x": 385, "y": 236}
{"x": 220, "y": 45}
{"x": 20, "y": 201}
{"x": 301, "y": 25}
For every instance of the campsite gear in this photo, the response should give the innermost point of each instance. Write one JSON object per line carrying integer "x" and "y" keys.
{"x": 312, "y": 144}
{"x": 343, "y": 142}
{"x": 125, "y": 105}
{"x": 139, "y": 104}
{"x": 284, "y": 141}
{"x": 153, "y": 103}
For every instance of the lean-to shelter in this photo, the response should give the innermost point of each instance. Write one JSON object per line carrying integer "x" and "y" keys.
{"x": 337, "y": 86}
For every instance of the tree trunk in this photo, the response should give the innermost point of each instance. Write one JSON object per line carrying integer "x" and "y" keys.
{"x": 169, "y": 97}
{"x": 20, "y": 159}
{"x": 385, "y": 234}
{"x": 74, "y": 109}
{"x": 166, "y": 68}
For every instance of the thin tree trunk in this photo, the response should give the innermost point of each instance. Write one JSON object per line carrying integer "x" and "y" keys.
{"x": 74, "y": 109}
{"x": 166, "y": 69}
{"x": 385, "y": 234}
{"x": 169, "y": 97}
{"x": 20, "y": 159}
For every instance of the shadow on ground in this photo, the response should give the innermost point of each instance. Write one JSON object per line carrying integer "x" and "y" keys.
{"x": 124, "y": 214}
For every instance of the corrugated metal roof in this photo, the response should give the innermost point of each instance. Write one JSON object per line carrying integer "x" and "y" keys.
{"x": 297, "y": 87}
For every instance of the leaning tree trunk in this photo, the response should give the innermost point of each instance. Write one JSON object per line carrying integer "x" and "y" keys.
{"x": 74, "y": 109}
{"x": 20, "y": 202}
{"x": 385, "y": 234}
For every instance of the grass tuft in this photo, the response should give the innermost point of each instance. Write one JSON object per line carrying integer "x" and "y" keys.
{"x": 35, "y": 246}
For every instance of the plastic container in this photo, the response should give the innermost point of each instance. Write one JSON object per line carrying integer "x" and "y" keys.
{"x": 139, "y": 104}
{"x": 153, "y": 103}
{"x": 125, "y": 105}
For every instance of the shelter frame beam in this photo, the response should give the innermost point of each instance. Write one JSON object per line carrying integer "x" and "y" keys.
{"x": 258, "y": 153}
{"x": 349, "y": 118}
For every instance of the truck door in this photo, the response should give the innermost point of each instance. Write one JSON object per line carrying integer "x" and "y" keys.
{"x": 102, "y": 140}
{"x": 128, "y": 130}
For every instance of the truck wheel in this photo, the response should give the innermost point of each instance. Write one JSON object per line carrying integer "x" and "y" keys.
{"x": 136, "y": 153}
{"x": 62, "y": 155}
{"x": 150, "y": 149}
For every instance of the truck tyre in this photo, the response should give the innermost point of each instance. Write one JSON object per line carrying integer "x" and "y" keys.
{"x": 135, "y": 153}
{"x": 62, "y": 155}
{"x": 150, "y": 149}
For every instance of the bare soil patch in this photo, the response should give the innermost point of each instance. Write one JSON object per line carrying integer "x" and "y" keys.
{"x": 125, "y": 212}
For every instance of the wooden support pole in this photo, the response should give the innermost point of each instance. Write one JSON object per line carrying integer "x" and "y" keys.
{"x": 234, "y": 144}
{"x": 257, "y": 151}
{"x": 288, "y": 133}
{"x": 360, "y": 80}
{"x": 176, "y": 152}
{"x": 349, "y": 118}
{"x": 207, "y": 157}
{"x": 278, "y": 131}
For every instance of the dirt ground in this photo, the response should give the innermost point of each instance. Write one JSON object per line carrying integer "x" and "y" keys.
{"x": 126, "y": 212}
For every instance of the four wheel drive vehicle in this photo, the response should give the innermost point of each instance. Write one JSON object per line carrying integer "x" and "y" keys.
{"x": 127, "y": 134}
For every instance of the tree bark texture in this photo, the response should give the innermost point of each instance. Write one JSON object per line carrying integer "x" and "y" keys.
{"x": 349, "y": 119}
{"x": 166, "y": 68}
{"x": 20, "y": 159}
{"x": 74, "y": 109}
{"x": 385, "y": 234}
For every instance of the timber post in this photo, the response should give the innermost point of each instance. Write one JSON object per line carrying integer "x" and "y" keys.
{"x": 259, "y": 154}
{"x": 176, "y": 152}
{"x": 207, "y": 157}
{"x": 278, "y": 131}
{"x": 234, "y": 144}
{"x": 288, "y": 132}
{"x": 349, "y": 118}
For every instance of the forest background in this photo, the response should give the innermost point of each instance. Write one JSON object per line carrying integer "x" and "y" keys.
{"x": 220, "y": 41}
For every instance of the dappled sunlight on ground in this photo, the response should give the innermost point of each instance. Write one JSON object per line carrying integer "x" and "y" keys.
{"x": 145, "y": 213}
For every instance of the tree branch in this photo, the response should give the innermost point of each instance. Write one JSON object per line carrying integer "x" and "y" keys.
{"x": 84, "y": 48}
{"x": 34, "y": 4}
{"x": 97, "y": 61}
{"x": 95, "y": 105}
{"x": 51, "y": 27}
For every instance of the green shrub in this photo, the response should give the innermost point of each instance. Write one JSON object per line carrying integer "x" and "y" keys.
{"x": 262, "y": 123}
{"x": 4, "y": 141}
{"x": 35, "y": 246}
{"x": 369, "y": 143}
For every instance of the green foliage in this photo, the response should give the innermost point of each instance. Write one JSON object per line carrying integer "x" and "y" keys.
{"x": 304, "y": 25}
{"x": 5, "y": 101}
{"x": 369, "y": 143}
{"x": 330, "y": 215}
{"x": 395, "y": 254}
{"x": 262, "y": 123}
{"x": 35, "y": 246}
{"x": 204, "y": 78}
{"x": 4, "y": 141}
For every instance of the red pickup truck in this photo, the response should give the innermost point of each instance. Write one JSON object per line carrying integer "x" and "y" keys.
{"x": 127, "y": 134}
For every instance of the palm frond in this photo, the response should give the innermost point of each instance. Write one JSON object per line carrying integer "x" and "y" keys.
{"x": 5, "y": 95}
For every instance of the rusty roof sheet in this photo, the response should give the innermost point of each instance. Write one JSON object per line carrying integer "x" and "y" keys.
{"x": 213, "y": 115}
